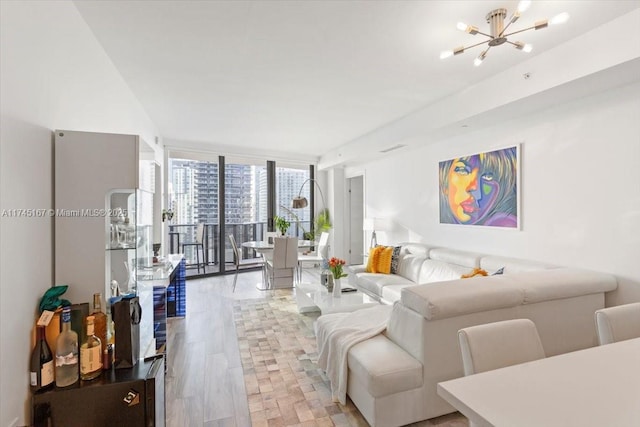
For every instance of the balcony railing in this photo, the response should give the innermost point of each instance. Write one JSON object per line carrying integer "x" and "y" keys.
{"x": 180, "y": 234}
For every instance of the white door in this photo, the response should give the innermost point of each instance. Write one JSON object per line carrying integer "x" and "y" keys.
{"x": 356, "y": 217}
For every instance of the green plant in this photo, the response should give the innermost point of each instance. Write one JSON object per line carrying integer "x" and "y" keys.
{"x": 281, "y": 224}
{"x": 323, "y": 221}
{"x": 167, "y": 215}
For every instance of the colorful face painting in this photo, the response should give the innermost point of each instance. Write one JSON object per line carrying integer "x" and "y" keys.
{"x": 480, "y": 189}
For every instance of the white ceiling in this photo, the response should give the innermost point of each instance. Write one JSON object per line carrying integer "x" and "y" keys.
{"x": 307, "y": 77}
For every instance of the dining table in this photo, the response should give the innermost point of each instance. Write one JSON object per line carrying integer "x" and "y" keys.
{"x": 594, "y": 387}
{"x": 265, "y": 249}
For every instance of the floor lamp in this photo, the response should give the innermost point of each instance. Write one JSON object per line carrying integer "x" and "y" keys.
{"x": 373, "y": 224}
{"x": 301, "y": 201}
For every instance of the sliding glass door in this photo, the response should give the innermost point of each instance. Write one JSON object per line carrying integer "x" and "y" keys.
{"x": 230, "y": 195}
{"x": 290, "y": 182}
{"x": 194, "y": 194}
{"x": 245, "y": 204}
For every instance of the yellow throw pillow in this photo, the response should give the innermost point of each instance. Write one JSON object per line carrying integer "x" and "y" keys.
{"x": 383, "y": 264}
{"x": 475, "y": 272}
{"x": 373, "y": 259}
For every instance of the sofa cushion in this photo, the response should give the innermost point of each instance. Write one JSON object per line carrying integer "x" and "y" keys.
{"x": 374, "y": 282}
{"x": 409, "y": 266}
{"x": 414, "y": 248}
{"x": 493, "y": 263}
{"x": 392, "y": 293}
{"x": 546, "y": 285}
{"x": 449, "y": 299}
{"x": 383, "y": 367}
{"x": 457, "y": 257}
{"x": 439, "y": 271}
{"x": 442, "y": 300}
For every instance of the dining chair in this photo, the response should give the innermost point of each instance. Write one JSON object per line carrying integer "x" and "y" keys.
{"x": 283, "y": 262}
{"x": 318, "y": 257}
{"x": 239, "y": 262}
{"x": 498, "y": 345}
{"x": 198, "y": 244}
{"x": 618, "y": 323}
{"x": 268, "y": 236}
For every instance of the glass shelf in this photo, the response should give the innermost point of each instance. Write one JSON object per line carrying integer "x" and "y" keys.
{"x": 128, "y": 234}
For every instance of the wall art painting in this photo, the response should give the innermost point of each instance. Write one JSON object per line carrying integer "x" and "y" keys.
{"x": 481, "y": 189}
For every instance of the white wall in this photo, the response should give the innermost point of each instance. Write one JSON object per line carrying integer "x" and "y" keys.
{"x": 54, "y": 75}
{"x": 580, "y": 198}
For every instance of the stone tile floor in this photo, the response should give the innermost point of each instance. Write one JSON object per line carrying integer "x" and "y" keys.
{"x": 284, "y": 385}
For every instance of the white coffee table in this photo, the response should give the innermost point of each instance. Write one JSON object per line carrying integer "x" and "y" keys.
{"x": 314, "y": 297}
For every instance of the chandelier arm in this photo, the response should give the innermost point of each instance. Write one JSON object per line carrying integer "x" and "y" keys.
{"x": 485, "y": 34}
{"x": 477, "y": 44}
{"x": 511, "y": 21}
{"x": 486, "y": 51}
{"x": 519, "y": 31}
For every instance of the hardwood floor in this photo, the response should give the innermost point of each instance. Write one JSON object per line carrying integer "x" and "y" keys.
{"x": 204, "y": 380}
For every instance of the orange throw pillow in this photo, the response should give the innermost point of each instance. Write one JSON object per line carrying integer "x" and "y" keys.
{"x": 374, "y": 253}
{"x": 384, "y": 260}
{"x": 475, "y": 272}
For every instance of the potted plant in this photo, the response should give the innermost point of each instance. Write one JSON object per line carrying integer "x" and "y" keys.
{"x": 281, "y": 224}
{"x": 322, "y": 223}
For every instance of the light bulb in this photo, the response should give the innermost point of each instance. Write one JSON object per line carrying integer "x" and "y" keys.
{"x": 445, "y": 54}
{"x": 523, "y": 47}
{"x": 462, "y": 26}
{"x": 480, "y": 58}
{"x": 524, "y": 5}
{"x": 559, "y": 19}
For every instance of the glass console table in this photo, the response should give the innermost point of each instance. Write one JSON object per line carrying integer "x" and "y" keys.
{"x": 162, "y": 291}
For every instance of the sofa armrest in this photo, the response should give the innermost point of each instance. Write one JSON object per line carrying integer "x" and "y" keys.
{"x": 355, "y": 269}
{"x": 442, "y": 300}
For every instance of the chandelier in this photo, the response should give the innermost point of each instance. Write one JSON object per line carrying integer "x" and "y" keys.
{"x": 498, "y": 35}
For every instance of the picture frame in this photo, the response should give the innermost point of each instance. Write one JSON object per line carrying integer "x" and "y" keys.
{"x": 481, "y": 189}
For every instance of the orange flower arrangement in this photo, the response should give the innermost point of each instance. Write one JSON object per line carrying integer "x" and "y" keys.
{"x": 335, "y": 265}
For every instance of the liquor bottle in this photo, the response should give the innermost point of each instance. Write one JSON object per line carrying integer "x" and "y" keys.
{"x": 41, "y": 367}
{"x": 99, "y": 321}
{"x": 90, "y": 354}
{"x": 66, "y": 352}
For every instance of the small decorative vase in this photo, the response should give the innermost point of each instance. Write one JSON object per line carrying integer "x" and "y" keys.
{"x": 337, "y": 288}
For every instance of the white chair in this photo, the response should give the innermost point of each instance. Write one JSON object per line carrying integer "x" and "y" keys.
{"x": 268, "y": 236}
{"x": 283, "y": 262}
{"x": 318, "y": 257}
{"x": 500, "y": 344}
{"x": 618, "y": 323}
{"x": 239, "y": 262}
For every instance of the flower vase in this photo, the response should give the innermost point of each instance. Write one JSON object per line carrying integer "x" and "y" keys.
{"x": 337, "y": 288}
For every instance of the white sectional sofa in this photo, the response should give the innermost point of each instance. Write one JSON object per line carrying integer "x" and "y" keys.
{"x": 392, "y": 377}
{"x": 421, "y": 264}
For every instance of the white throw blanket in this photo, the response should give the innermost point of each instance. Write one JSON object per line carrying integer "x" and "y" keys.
{"x": 337, "y": 333}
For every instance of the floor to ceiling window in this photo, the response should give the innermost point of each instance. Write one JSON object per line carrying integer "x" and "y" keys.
{"x": 207, "y": 191}
{"x": 193, "y": 200}
{"x": 291, "y": 182}
{"x": 245, "y": 204}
